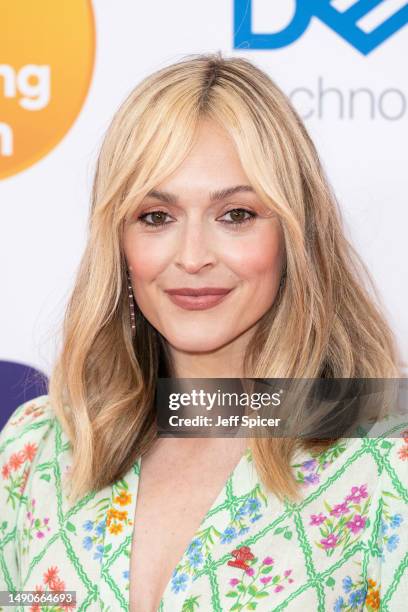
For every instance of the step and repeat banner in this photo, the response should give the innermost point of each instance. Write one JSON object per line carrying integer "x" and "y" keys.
{"x": 65, "y": 67}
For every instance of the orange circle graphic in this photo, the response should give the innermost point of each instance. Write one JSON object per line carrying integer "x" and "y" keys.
{"x": 47, "y": 54}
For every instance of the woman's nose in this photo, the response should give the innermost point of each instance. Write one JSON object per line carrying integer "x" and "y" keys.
{"x": 195, "y": 248}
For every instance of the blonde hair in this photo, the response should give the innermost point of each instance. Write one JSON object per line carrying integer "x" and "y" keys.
{"x": 323, "y": 323}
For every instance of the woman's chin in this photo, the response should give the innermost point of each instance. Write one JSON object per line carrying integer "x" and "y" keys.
{"x": 197, "y": 344}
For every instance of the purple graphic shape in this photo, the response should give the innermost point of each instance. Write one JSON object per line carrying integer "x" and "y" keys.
{"x": 18, "y": 384}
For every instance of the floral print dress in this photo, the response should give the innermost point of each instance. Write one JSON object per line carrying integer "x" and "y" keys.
{"x": 343, "y": 547}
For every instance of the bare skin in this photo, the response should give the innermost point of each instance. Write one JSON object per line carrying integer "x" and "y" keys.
{"x": 198, "y": 243}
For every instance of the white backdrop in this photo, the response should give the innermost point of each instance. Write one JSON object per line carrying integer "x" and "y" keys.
{"x": 364, "y": 151}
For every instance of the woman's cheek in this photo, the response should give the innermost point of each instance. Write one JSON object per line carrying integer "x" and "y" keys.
{"x": 256, "y": 255}
{"x": 147, "y": 258}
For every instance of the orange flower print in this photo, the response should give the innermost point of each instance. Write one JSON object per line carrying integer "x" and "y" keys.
{"x": 124, "y": 498}
{"x": 116, "y": 528}
{"x": 116, "y": 519}
{"x": 373, "y": 596}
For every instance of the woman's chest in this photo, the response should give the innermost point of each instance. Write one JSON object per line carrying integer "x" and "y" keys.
{"x": 171, "y": 505}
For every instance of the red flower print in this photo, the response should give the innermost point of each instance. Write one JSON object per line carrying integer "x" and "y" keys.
{"x": 5, "y": 471}
{"x": 50, "y": 575}
{"x": 16, "y": 460}
{"x": 57, "y": 585}
{"x": 403, "y": 452}
{"x": 241, "y": 555}
{"x": 37, "y": 607}
{"x": 29, "y": 451}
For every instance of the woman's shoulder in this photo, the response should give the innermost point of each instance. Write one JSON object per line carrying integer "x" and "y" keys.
{"x": 379, "y": 456}
{"x": 24, "y": 434}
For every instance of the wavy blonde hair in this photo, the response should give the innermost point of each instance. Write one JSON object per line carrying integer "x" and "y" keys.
{"x": 323, "y": 323}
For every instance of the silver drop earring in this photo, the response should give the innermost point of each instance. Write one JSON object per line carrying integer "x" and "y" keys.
{"x": 131, "y": 305}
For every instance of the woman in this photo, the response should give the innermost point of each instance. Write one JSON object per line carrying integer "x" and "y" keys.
{"x": 207, "y": 180}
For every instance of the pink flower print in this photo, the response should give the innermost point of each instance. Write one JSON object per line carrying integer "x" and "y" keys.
{"x": 233, "y": 581}
{"x": 250, "y": 571}
{"x": 287, "y": 573}
{"x": 357, "y": 494}
{"x": 278, "y": 588}
{"x": 267, "y": 561}
{"x": 317, "y": 519}
{"x": 266, "y": 579}
{"x": 40, "y": 534}
{"x": 329, "y": 542}
{"x": 340, "y": 509}
{"x": 358, "y": 522}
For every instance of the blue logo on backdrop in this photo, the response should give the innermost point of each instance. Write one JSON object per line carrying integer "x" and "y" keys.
{"x": 346, "y": 23}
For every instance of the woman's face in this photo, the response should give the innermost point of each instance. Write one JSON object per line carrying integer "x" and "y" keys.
{"x": 204, "y": 228}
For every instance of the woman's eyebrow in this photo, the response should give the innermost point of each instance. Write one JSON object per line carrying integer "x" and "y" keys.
{"x": 215, "y": 196}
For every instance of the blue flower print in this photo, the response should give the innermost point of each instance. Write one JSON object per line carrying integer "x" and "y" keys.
{"x": 253, "y": 505}
{"x": 179, "y": 583}
{"x": 196, "y": 558}
{"x": 396, "y": 521}
{"x": 347, "y": 584}
{"x": 126, "y": 574}
{"x": 338, "y": 604}
{"x": 384, "y": 527}
{"x": 392, "y": 542}
{"x": 255, "y": 518}
{"x": 357, "y": 598}
{"x": 87, "y": 543}
{"x": 100, "y": 528}
{"x": 228, "y": 535}
{"x": 88, "y": 525}
{"x": 99, "y": 553}
{"x": 196, "y": 544}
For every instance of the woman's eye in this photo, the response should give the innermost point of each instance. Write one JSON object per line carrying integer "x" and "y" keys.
{"x": 237, "y": 216}
{"x": 157, "y": 218}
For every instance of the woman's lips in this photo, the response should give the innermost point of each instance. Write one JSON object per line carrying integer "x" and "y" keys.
{"x": 197, "y": 302}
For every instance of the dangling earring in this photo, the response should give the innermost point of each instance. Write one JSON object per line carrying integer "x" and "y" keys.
{"x": 131, "y": 305}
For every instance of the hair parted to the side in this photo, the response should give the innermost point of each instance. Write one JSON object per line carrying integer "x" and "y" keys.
{"x": 324, "y": 322}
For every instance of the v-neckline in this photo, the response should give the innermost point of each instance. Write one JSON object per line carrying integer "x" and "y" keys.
{"x": 134, "y": 487}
